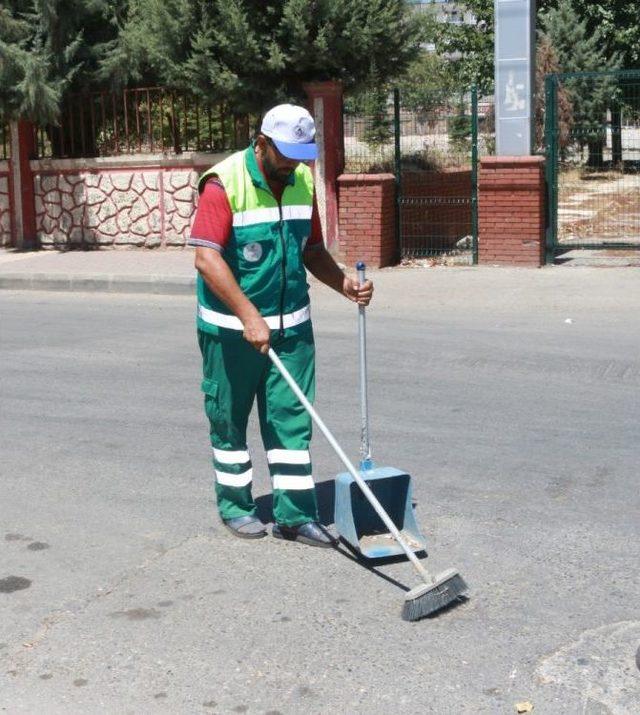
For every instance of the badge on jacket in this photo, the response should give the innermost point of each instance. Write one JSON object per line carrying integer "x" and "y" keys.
{"x": 252, "y": 252}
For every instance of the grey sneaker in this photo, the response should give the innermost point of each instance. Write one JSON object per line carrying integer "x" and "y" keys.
{"x": 246, "y": 527}
{"x": 312, "y": 533}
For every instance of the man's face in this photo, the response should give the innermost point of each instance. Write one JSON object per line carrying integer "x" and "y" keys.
{"x": 276, "y": 166}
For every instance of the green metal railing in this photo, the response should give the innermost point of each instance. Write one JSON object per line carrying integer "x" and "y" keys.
{"x": 431, "y": 140}
{"x": 474, "y": 174}
{"x": 438, "y": 175}
{"x": 592, "y": 148}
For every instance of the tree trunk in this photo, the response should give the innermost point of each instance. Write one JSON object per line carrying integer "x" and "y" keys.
{"x": 596, "y": 147}
{"x": 616, "y": 138}
{"x": 241, "y": 131}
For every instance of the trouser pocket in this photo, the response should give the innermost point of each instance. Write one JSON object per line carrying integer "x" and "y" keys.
{"x": 210, "y": 390}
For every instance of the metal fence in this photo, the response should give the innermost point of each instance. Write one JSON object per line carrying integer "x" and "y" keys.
{"x": 593, "y": 161}
{"x": 430, "y": 140}
{"x": 368, "y": 133}
{"x": 437, "y": 152}
{"x": 141, "y": 120}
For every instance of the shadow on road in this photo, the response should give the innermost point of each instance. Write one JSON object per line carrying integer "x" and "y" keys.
{"x": 325, "y": 492}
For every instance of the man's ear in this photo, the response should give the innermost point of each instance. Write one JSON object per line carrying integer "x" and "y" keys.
{"x": 261, "y": 143}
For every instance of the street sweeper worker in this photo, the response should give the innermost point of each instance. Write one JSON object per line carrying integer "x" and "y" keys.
{"x": 255, "y": 231}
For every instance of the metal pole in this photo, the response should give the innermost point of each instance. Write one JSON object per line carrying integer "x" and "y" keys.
{"x": 551, "y": 159}
{"x": 474, "y": 174}
{"x": 365, "y": 445}
{"x": 398, "y": 167}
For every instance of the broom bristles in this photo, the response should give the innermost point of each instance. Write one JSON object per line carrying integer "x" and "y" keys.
{"x": 429, "y": 598}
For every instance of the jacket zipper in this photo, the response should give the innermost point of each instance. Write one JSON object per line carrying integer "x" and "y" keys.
{"x": 284, "y": 271}
{"x": 283, "y": 285}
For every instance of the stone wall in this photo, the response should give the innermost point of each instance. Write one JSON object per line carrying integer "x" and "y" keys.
{"x": 145, "y": 201}
{"x": 5, "y": 205}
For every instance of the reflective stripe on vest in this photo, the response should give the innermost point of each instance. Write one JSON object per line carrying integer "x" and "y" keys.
{"x": 254, "y": 216}
{"x": 221, "y": 320}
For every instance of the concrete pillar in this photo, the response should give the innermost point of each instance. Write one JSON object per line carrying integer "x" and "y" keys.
{"x": 511, "y": 215}
{"x": 325, "y": 103}
{"x": 23, "y": 197}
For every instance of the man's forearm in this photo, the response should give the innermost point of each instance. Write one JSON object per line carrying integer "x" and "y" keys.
{"x": 222, "y": 283}
{"x": 322, "y": 265}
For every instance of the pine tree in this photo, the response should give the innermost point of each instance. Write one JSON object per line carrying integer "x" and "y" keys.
{"x": 256, "y": 52}
{"x": 375, "y": 108}
{"x": 460, "y": 126}
{"x": 28, "y": 85}
{"x": 617, "y": 23}
{"x": 579, "y": 51}
{"x": 618, "y": 27}
{"x": 49, "y": 48}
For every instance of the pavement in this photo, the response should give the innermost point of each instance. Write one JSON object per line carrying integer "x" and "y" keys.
{"x": 121, "y": 271}
{"x": 509, "y": 395}
{"x": 171, "y": 271}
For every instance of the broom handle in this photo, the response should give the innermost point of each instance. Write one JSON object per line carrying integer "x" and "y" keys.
{"x": 424, "y": 574}
{"x": 365, "y": 444}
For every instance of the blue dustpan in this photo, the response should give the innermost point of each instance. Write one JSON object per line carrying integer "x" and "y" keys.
{"x": 356, "y": 521}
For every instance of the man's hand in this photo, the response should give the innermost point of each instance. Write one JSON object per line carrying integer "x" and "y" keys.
{"x": 321, "y": 263}
{"x": 358, "y": 294}
{"x": 257, "y": 332}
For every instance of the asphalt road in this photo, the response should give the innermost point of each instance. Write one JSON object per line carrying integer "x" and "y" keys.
{"x": 510, "y": 396}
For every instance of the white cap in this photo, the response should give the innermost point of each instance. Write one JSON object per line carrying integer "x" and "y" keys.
{"x": 292, "y": 130}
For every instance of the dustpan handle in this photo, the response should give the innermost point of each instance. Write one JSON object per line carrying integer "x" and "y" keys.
{"x": 424, "y": 574}
{"x": 365, "y": 444}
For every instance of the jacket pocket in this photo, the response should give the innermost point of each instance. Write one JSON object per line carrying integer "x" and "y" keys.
{"x": 256, "y": 251}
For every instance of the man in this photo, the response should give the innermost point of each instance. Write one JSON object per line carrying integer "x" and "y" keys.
{"x": 255, "y": 231}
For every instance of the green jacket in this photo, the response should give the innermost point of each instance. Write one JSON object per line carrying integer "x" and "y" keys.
{"x": 265, "y": 249}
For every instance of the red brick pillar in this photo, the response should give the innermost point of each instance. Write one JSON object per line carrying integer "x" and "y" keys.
{"x": 23, "y": 198}
{"x": 511, "y": 216}
{"x": 325, "y": 100}
{"x": 367, "y": 219}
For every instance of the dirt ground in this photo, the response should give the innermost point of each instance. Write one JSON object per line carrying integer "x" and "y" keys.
{"x": 599, "y": 207}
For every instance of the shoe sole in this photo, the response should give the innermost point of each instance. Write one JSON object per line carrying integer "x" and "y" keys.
{"x": 244, "y": 535}
{"x": 304, "y": 540}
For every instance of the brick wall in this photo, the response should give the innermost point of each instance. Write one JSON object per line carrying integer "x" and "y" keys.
{"x": 366, "y": 217}
{"x": 511, "y": 217}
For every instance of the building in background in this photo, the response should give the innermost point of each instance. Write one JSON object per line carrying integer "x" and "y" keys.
{"x": 447, "y": 11}
{"x": 444, "y": 10}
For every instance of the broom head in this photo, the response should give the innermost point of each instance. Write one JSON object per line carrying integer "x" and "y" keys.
{"x": 426, "y": 599}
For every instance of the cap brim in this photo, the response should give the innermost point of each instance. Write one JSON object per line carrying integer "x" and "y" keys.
{"x": 297, "y": 152}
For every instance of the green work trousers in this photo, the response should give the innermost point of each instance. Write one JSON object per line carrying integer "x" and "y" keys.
{"x": 234, "y": 374}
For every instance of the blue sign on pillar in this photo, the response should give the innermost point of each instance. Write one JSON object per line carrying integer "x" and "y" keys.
{"x": 514, "y": 75}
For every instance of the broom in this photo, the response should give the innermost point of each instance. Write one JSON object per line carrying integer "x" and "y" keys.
{"x": 435, "y": 592}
